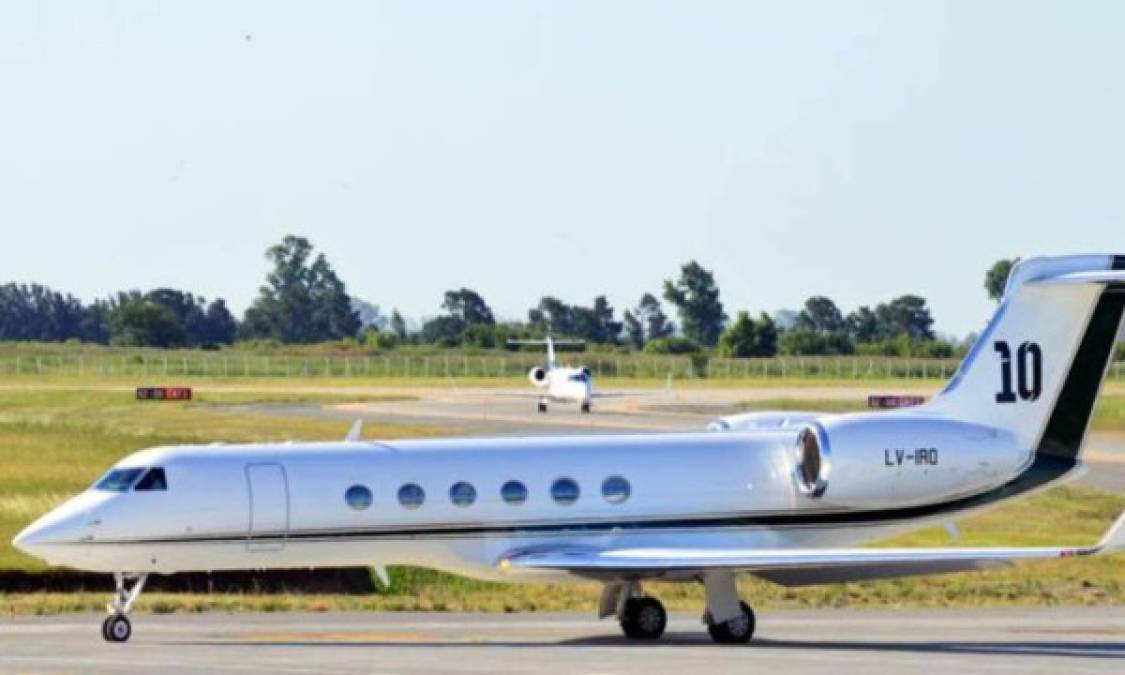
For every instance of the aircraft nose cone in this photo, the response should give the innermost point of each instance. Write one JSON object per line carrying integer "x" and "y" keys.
{"x": 60, "y": 527}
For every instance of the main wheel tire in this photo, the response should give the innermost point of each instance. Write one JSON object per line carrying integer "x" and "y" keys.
{"x": 738, "y": 630}
{"x": 117, "y": 628}
{"x": 643, "y": 619}
{"x": 586, "y": 407}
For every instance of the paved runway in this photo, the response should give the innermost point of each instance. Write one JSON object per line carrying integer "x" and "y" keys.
{"x": 1070, "y": 640}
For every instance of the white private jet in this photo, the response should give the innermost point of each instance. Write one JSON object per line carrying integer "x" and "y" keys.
{"x": 787, "y": 499}
{"x": 560, "y": 383}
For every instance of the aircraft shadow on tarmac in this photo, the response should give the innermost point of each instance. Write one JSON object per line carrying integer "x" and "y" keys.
{"x": 1056, "y": 648}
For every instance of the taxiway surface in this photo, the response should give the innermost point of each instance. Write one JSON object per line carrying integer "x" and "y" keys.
{"x": 1070, "y": 640}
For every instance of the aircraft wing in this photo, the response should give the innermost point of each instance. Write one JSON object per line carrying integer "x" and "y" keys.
{"x": 795, "y": 567}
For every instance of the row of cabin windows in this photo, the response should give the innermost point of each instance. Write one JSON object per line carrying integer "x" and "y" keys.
{"x": 564, "y": 491}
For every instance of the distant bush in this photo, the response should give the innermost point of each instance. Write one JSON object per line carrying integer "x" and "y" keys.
{"x": 803, "y": 342}
{"x": 671, "y": 345}
{"x": 904, "y": 347}
{"x": 1119, "y": 353}
{"x": 381, "y": 340}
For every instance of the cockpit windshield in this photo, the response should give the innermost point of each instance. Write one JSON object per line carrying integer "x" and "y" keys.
{"x": 579, "y": 377}
{"x": 152, "y": 481}
{"x": 119, "y": 480}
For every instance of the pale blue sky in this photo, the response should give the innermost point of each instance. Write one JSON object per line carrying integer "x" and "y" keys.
{"x": 859, "y": 150}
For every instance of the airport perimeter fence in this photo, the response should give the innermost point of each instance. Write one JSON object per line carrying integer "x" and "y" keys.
{"x": 156, "y": 364}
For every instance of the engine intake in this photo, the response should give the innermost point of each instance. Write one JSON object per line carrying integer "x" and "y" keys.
{"x": 537, "y": 375}
{"x": 812, "y": 461}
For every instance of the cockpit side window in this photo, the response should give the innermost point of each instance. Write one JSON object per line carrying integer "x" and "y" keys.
{"x": 153, "y": 480}
{"x": 119, "y": 480}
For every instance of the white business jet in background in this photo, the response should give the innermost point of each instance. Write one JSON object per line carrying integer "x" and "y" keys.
{"x": 788, "y": 501}
{"x": 560, "y": 383}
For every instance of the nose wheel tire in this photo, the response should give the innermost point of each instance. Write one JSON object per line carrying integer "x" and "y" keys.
{"x": 738, "y": 630}
{"x": 643, "y": 619}
{"x": 542, "y": 406}
{"x": 116, "y": 628}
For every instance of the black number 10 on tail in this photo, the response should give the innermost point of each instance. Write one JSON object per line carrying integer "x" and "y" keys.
{"x": 1029, "y": 372}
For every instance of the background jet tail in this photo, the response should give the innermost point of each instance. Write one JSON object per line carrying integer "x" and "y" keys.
{"x": 551, "y": 343}
{"x": 1037, "y": 368}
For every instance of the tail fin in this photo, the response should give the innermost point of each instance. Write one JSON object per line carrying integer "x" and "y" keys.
{"x": 551, "y": 363}
{"x": 551, "y": 344}
{"x": 1037, "y": 368}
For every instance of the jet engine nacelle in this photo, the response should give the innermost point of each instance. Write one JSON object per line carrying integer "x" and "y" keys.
{"x": 878, "y": 460}
{"x": 538, "y": 376}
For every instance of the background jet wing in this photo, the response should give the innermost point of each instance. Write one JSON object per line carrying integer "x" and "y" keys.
{"x": 795, "y": 567}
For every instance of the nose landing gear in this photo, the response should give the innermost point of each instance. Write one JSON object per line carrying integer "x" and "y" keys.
{"x": 117, "y": 627}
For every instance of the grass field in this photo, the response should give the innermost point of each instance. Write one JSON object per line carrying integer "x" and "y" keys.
{"x": 54, "y": 441}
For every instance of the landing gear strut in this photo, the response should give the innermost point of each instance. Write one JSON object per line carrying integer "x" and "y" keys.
{"x": 728, "y": 619}
{"x": 116, "y": 627}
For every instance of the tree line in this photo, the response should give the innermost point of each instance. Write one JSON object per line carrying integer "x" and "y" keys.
{"x": 303, "y": 300}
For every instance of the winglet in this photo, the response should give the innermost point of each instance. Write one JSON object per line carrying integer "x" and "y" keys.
{"x": 1114, "y": 539}
{"x": 353, "y": 435}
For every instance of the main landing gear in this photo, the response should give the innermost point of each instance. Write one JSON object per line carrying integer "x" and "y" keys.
{"x": 585, "y": 407}
{"x": 116, "y": 627}
{"x": 642, "y": 617}
{"x": 738, "y": 630}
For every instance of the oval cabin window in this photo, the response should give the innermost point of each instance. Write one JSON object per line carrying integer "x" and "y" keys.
{"x": 411, "y": 496}
{"x": 564, "y": 491}
{"x": 513, "y": 492}
{"x": 615, "y": 489}
{"x": 358, "y": 497}
{"x": 463, "y": 494}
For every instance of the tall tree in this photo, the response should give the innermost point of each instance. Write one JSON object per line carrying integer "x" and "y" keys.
{"x": 748, "y": 337}
{"x": 634, "y": 330}
{"x": 821, "y": 315}
{"x": 468, "y": 306}
{"x": 596, "y": 323}
{"x": 301, "y": 302}
{"x": 647, "y": 321}
{"x": 219, "y": 326}
{"x": 142, "y": 322}
{"x": 553, "y": 315}
{"x": 398, "y": 324}
{"x": 696, "y": 298}
{"x": 444, "y": 330}
{"x": 740, "y": 337}
{"x": 905, "y": 315}
{"x": 996, "y": 278}
{"x": 765, "y": 338}
{"x": 333, "y": 316}
{"x": 863, "y": 325}
{"x": 35, "y": 312}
